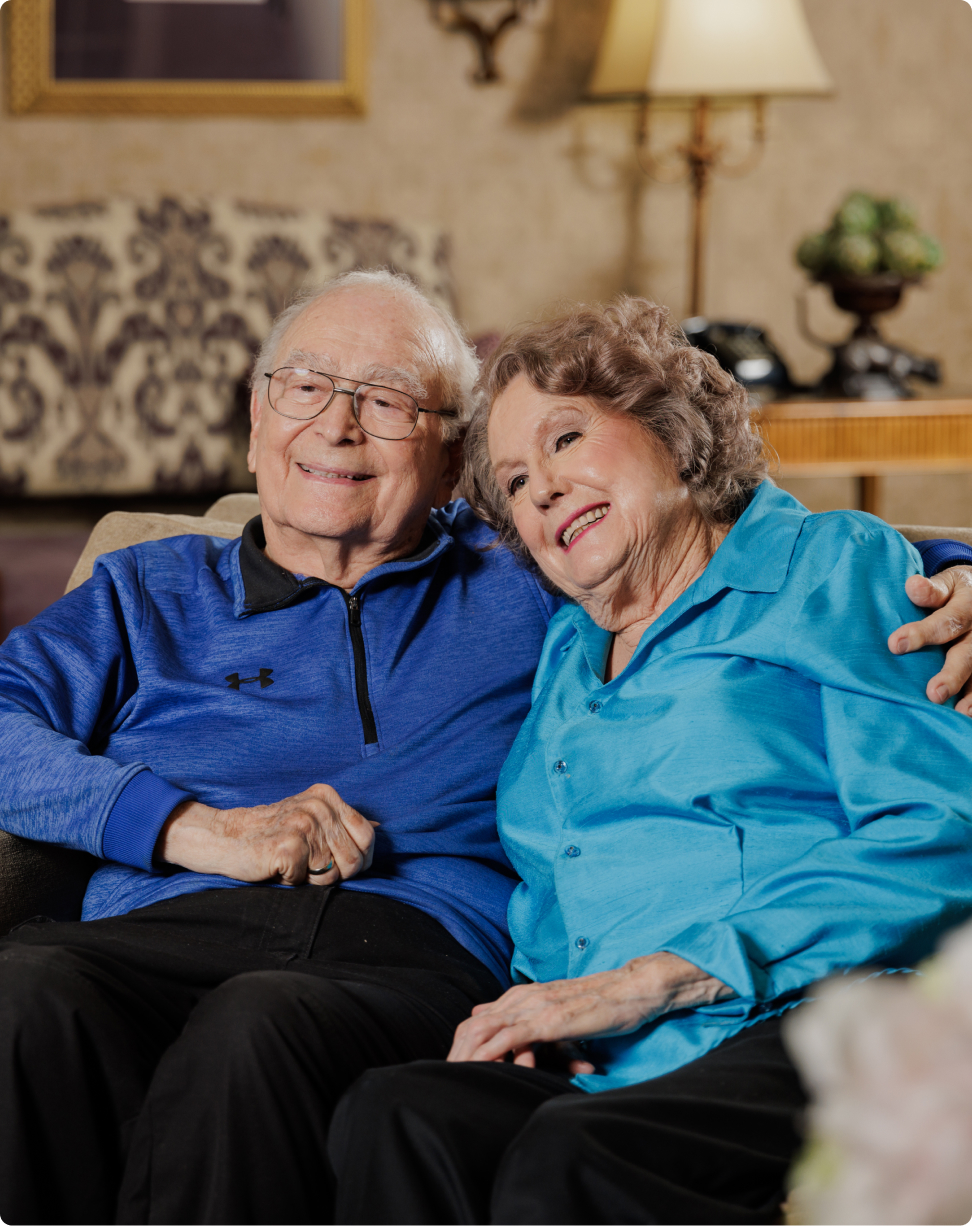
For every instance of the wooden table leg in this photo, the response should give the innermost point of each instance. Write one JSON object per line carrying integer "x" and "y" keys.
{"x": 869, "y": 495}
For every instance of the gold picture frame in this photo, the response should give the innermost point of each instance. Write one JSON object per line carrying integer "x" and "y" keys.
{"x": 33, "y": 90}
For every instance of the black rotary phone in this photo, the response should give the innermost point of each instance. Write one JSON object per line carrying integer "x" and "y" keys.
{"x": 746, "y": 352}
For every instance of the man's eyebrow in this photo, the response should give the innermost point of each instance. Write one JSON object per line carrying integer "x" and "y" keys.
{"x": 386, "y": 376}
{"x": 404, "y": 380}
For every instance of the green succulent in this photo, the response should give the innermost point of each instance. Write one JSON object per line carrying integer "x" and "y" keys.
{"x": 904, "y": 251}
{"x": 813, "y": 253}
{"x": 934, "y": 255}
{"x": 855, "y": 255}
{"x": 857, "y": 215}
{"x": 897, "y": 215}
{"x": 867, "y": 236}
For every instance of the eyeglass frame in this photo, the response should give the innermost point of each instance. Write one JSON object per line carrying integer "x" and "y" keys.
{"x": 353, "y": 393}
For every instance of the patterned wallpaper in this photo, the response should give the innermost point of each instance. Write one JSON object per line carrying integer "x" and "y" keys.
{"x": 127, "y": 331}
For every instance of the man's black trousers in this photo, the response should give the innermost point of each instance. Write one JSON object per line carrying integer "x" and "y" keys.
{"x": 436, "y": 1142}
{"x": 181, "y": 1063}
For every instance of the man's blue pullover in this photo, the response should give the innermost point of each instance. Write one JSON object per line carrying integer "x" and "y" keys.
{"x": 193, "y": 667}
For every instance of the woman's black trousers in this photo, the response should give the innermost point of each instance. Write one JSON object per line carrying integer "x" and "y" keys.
{"x": 438, "y": 1142}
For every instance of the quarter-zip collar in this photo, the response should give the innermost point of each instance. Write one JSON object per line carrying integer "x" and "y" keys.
{"x": 266, "y": 586}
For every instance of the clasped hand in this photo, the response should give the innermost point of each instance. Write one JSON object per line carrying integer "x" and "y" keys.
{"x": 279, "y": 842}
{"x": 608, "y": 1003}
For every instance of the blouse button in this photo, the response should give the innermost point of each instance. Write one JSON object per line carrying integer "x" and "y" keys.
{"x": 572, "y": 851}
{"x": 560, "y": 766}
{"x": 594, "y": 706}
{"x": 582, "y": 942}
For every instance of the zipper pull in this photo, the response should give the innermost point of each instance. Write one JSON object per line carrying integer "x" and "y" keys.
{"x": 354, "y": 611}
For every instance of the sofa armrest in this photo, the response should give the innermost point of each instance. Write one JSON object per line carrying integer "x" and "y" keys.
{"x": 40, "y": 879}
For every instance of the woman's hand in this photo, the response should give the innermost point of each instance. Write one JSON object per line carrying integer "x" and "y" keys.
{"x": 950, "y": 594}
{"x": 612, "y": 1002}
{"x": 279, "y": 842}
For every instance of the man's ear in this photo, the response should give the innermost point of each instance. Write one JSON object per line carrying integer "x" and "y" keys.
{"x": 256, "y": 408}
{"x": 450, "y": 473}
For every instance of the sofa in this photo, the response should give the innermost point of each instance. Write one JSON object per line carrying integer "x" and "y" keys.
{"x": 40, "y": 879}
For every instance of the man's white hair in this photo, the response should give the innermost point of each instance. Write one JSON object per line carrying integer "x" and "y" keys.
{"x": 443, "y": 353}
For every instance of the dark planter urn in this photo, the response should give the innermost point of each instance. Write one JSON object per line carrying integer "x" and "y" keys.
{"x": 866, "y": 366}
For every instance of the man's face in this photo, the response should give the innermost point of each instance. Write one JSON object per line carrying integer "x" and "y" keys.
{"x": 326, "y": 477}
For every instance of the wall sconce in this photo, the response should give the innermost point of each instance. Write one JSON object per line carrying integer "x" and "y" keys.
{"x": 701, "y": 52}
{"x": 454, "y": 16}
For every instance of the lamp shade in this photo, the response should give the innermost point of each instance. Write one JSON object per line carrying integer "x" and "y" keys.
{"x": 714, "y": 48}
{"x": 724, "y": 47}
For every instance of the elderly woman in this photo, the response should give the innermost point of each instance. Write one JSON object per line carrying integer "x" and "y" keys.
{"x": 722, "y": 794}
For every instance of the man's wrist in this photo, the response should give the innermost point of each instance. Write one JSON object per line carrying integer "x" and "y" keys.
{"x": 186, "y": 830}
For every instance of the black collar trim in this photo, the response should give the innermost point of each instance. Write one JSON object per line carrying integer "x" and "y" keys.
{"x": 267, "y": 586}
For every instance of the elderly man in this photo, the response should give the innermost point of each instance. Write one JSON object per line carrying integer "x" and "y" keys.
{"x": 326, "y": 701}
{"x": 333, "y": 693}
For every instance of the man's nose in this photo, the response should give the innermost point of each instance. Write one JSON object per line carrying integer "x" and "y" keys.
{"x": 338, "y": 421}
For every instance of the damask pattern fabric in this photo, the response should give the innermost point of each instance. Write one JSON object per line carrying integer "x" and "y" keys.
{"x": 127, "y": 331}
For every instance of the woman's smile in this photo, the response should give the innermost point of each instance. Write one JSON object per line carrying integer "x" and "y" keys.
{"x": 573, "y": 529}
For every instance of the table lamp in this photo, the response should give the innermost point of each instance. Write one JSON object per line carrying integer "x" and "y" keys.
{"x": 703, "y": 51}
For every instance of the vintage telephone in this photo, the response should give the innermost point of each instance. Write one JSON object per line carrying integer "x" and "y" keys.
{"x": 746, "y": 352}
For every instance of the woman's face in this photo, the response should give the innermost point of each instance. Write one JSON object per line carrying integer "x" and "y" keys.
{"x": 593, "y": 496}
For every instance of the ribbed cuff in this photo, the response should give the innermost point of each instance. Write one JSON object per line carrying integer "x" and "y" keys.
{"x": 137, "y": 817}
{"x": 940, "y": 555}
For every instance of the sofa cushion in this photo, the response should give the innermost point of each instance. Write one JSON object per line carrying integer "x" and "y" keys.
{"x": 119, "y": 529}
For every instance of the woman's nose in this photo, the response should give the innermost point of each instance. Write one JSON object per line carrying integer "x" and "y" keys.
{"x": 546, "y": 488}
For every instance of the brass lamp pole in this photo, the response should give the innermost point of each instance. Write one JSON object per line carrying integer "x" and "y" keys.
{"x": 696, "y": 51}
{"x": 700, "y": 158}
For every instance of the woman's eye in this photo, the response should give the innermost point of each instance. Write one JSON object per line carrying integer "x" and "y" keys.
{"x": 516, "y": 485}
{"x": 566, "y": 439}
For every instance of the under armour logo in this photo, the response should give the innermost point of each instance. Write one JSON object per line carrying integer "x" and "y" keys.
{"x": 235, "y": 680}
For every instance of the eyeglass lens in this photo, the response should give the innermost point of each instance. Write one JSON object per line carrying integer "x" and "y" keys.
{"x": 302, "y": 394}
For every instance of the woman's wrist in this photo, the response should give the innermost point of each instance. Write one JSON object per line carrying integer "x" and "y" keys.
{"x": 669, "y": 982}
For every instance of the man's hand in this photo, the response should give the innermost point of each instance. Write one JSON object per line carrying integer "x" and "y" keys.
{"x": 950, "y": 595}
{"x": 612, "y": 1002}
{"x": 279, "y": 842}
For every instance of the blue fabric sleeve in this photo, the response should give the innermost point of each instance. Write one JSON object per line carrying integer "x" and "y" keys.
{"x": 881, "y": 889}
{"x": 938, "y": 555}
{"x": 66, "y": 679}
{"x": 137, "y": 817}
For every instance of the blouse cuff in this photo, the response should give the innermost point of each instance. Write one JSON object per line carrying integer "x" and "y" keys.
{"x": 719, "y": 950}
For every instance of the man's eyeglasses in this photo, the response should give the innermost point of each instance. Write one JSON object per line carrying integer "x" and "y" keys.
{"x": 382, "y": 412}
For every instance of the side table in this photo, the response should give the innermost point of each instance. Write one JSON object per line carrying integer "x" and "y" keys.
{"x": 868, "y": 439}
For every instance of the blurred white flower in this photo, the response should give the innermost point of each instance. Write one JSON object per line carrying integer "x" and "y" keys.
{"x": 888, "y": 1063}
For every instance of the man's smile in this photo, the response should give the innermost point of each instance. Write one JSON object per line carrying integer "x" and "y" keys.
{"x": 333, "y": 474}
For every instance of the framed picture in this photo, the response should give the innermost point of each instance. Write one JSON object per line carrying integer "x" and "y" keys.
{"x": 186, "y": 57}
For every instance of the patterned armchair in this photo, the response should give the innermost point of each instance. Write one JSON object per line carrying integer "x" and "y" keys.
{"x": 126, "y": 332}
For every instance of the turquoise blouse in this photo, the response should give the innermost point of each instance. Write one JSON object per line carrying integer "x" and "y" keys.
{"x": 765, "y": 790}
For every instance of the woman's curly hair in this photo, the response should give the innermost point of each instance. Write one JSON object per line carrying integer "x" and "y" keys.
{"x": 628, "y": 357}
